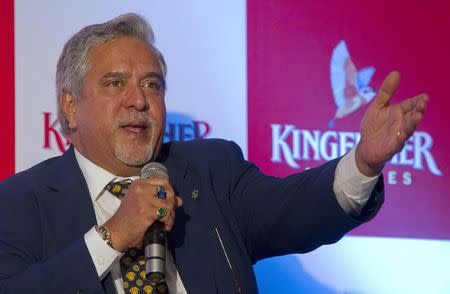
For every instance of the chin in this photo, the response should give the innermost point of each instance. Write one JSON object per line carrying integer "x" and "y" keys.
{"x": 136, "y": 156}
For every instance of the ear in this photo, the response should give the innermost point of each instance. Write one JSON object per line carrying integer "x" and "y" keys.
{"x": 69, "y": 108}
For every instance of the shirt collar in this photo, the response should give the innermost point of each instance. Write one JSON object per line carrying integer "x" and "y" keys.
{"x": 96, "y": 177}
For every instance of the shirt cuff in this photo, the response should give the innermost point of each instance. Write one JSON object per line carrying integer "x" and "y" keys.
{"x": 352, "y": 188}
{"x": 103, "y": 256}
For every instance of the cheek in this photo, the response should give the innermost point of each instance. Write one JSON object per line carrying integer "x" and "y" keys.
{"x": 159, "y": 113}
{"x": 106, "y": 124}
{"x": 96, "y": 118}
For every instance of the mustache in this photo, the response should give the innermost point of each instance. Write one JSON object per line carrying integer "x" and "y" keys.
{"x": 135, "y": 118}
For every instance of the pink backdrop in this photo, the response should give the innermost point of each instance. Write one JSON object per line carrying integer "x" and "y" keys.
{"x": 289, "y": 48}
{"x": 289, "y": 52}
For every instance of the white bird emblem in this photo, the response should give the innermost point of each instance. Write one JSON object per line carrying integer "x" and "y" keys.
{"x": 351, "y": 88}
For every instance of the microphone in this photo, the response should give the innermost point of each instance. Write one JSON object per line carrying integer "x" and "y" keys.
{"x": 155, "y": 238}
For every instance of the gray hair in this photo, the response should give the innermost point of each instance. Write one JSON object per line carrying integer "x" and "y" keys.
{"x": 73, "y": 64}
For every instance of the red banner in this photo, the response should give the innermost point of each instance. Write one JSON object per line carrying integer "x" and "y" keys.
{"x": 312, "y": 70}
{"x": 7, "y": 93}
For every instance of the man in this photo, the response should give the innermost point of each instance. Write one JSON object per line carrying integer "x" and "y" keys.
{"x": 63, "y": 230}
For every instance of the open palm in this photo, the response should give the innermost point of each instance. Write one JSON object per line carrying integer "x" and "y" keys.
{"x": 386, "y": 127}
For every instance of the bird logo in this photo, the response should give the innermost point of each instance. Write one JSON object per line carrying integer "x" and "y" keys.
{"x": 351, "y": 88}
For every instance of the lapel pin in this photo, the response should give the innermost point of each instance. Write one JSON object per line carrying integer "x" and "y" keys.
{"x": 194, "y": 194}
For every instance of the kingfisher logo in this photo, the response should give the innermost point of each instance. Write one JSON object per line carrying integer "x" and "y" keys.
{"x": 300, "y": 148}
{"x": 351, "y": 87}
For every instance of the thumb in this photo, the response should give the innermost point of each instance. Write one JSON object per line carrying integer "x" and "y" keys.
{"x": 387, "y": 89}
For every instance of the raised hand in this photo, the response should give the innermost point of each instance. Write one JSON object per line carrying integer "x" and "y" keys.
{"x": 386, "y": 127}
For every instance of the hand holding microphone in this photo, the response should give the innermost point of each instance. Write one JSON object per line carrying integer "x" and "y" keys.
{"x": 141, "y": 210}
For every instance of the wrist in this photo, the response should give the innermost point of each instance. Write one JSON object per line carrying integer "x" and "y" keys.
{"x": 116, "y": 241}
{"x": 105, "y": 234}
{"x": 368, "y": 170}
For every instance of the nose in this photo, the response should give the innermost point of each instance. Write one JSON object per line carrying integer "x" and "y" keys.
{"x": 136, "y": 99}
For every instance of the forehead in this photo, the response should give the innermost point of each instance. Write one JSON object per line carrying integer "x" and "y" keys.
{"x": 124, "y": 53}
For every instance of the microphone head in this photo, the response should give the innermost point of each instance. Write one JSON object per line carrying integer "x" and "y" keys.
{"x": 154, "y": 170}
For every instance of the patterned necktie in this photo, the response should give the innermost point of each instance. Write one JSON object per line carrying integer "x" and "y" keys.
{"x": 132, "y": 264}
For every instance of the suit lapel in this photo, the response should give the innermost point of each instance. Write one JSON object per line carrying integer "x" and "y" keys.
{"x": 68, "y": 206}
{"x": 67, "y": 200}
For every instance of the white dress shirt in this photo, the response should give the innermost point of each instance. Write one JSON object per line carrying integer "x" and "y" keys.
{"x": 352, "y": 190}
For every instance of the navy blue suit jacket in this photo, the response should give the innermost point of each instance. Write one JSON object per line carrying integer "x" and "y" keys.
{"x": 46, "y": 210}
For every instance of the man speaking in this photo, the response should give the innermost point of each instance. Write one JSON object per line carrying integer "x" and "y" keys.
{"x": 77, "y": 223}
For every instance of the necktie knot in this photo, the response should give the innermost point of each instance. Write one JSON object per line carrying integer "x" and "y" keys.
{"x": 119, "y": 188}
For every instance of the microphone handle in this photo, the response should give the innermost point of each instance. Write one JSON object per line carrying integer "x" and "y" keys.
{"x": 155, "y": 241}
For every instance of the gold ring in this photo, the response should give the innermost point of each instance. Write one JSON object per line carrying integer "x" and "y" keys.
{"x": 161, "y": 212}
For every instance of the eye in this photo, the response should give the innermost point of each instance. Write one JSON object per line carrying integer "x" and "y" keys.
{"x": 152, "y": 84}
{"x": 115, "y": 83}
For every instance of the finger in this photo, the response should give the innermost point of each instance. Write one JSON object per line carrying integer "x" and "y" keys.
{"x": 168, "y": 228}
{"x": 417, "y": 103}
{"x": 387, "y": 89}
{"x": 149, "y": 190}
{"x": 408, "y": 104}
{"x": 152, "y": 200}
{"x": 178, "y": 201}
{"x": 413, "y": 117}
{"x": 163, "y": 213}
{"x": 158, "y": 181}
{"x": 411, "y": 121}
{"x": 165, "y": 203}
{"x": 169, "y": 222}
{"x": 164, "y": 192}
{"x": 422, "y": 104}
{"x": 162, "y": 183}
{"x": 168, "y": 219}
